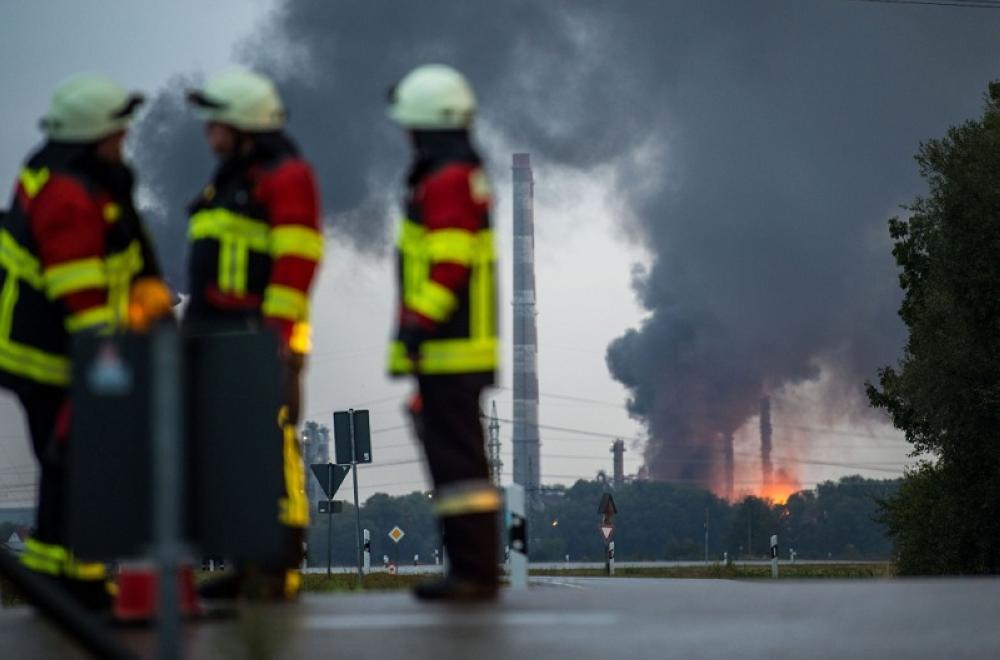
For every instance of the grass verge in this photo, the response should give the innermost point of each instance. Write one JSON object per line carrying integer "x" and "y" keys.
{"x": 738, "y": 572}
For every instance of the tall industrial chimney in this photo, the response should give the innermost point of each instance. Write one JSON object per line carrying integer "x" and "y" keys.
{"x": 729, "y": 466}
{"x": 618, "y": 454}
{"x": 765, "y": 441}
{"x": 525, "y": 431}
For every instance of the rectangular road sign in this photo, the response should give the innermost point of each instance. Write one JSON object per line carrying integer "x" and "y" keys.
{"x": 324, "y": 506}
{"x": 326, "y": 473}
{"x": 342, "y": 422}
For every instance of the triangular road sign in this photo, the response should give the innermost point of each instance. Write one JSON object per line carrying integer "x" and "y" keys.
{"x": 325, "y": 472}
{"x": 607, "y": 531}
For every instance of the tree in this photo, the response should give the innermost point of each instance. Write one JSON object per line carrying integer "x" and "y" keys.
{"x": 945, "y": 391}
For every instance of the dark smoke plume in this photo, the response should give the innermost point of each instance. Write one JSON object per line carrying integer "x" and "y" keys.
{"x": 781, "y": 136}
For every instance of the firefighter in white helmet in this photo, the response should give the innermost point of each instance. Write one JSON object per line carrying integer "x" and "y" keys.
{"x": 446, "y": 329}
{"x": 255, "y": 245}
{"x": 74, "y": 258}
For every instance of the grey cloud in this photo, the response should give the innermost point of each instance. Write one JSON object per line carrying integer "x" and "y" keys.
{"x": 788, "y": 128}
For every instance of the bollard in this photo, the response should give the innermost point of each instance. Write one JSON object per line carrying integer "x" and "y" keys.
{"x": 517, "y": 536}
{"x": 774, "y": 555}
{"x": 791, "y": 555}
{"x": 367, "y": 550}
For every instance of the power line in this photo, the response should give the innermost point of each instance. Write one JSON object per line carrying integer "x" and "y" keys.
{"x": 786, "y": 427}
{"x": 972, "y": 4}
{"x": 620, "y": 436}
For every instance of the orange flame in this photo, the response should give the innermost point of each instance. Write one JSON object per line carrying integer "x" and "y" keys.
{"x": 782, "y": 486}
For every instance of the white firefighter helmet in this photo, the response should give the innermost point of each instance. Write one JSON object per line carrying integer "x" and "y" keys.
{"x": 241, "y": 99}
{"x": 88, "y": 107}
{"x": 432, "y": 97}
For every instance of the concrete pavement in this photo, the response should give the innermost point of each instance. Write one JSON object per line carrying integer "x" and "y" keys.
{"x": 598, "y": 618}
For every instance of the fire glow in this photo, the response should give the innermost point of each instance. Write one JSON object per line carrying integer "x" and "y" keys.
{"x": 782, "y": 486}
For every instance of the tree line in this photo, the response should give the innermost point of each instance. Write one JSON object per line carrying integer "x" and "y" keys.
{"x": 655, "y": 521}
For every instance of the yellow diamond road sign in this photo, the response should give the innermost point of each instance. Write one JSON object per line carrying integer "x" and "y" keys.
{"x": 396, "y": 534}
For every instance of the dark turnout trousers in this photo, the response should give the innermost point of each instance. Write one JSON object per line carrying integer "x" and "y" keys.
{"x": 465, "y": 500}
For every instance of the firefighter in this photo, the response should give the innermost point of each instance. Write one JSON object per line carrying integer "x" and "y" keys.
{"x": 446, "y": 335}
{"x": 74, "y": 259}
{"x": 255, "y": 244}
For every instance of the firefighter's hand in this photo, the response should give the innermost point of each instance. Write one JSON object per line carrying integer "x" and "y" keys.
{"x": 415, "y": 411}
{"x": 292, "y": 364}
{"x": 149, "y": 301}
{"x": 412, "y": 335}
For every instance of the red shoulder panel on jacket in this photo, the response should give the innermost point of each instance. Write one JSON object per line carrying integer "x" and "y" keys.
{"x": 448, "y": 198}
{"x": 289, "y": 191}
{"x": 66, "y": 222}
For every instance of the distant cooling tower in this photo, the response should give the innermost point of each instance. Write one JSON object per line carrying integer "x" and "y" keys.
{"x": 525, "y": 431}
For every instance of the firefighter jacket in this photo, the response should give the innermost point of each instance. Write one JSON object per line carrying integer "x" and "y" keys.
{"x": 71, "y": 246}
{"x": 446, "y": 263}
{"x": 255, "y": 242}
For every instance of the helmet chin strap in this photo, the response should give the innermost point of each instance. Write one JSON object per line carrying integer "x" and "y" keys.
{"x": 244, "y": 143}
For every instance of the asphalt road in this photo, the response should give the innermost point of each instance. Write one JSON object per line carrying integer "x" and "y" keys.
{"x": 578, "y": 618}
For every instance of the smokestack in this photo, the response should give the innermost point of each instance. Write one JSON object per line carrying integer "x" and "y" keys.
{"x": 729, "y": 467}
{"x": 618, "y": 450}
{"x": 525, "y": 432}
{"x": 765, "y": 441}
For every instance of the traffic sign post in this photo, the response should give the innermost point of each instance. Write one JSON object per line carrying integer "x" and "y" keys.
{"x": 330, "y": 477}
{"x": 396, "y": 534}
{"x": 517, "y": 536}
{"x": 353, "y": 445}
{"x": 607, "y": 509}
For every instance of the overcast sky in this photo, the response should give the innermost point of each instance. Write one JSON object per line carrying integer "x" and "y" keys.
{"x": 144, "y": 44}
{"x": 614, "y": 104}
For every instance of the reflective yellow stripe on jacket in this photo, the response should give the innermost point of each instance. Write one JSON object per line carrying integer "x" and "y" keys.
{"x": 285, "y": 302}
{"x": 420, "y": 249}
{"x": 447, "y": 356}
{"x": 296, "y": 241}
{"x": 20, "y": 266}
{"x": 237, "y": 235}
{"x": 73, "y": 276}
{"x": 466, "y": 497}
{"x": 57, "y": 561}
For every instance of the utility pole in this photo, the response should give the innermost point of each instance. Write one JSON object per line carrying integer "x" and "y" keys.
{"x": 493, "y": 447}
{"x": 618, "y": 451}
{"x": 749, "y": 537}
{"x": 706, "y": 534}
{"x": 357, "y": 506}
